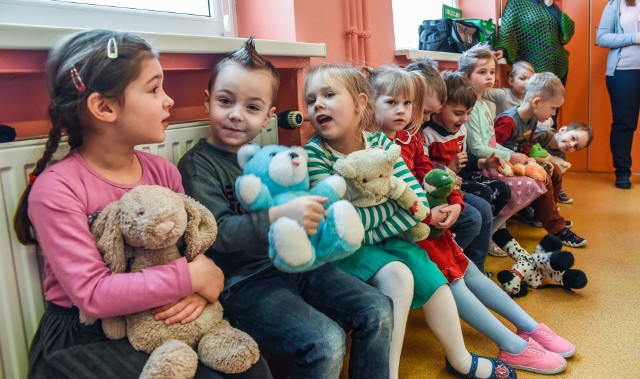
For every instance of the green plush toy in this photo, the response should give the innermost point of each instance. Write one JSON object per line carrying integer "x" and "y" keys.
{"x": 541, "y": 156}
{"x": 438, "y": 184}
{"x": 538, "y": 152}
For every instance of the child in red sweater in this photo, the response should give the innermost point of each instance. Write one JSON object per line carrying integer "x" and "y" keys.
{"x": 515, "y": 128}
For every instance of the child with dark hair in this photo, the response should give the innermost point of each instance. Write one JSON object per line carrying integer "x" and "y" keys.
{"x": 567, "y": 139}
{"x": 300, "y": 315}
{"x": 106, "y": 93}
{"x": 446, "y": 138}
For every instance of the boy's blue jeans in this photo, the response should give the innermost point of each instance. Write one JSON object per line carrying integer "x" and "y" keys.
{"x": 302, "y": 316}
{"x": 473, "y": 229}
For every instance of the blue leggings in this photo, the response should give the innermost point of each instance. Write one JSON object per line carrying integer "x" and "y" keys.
{"x": 473, "y": 229}
{"x": 474, "y": 294}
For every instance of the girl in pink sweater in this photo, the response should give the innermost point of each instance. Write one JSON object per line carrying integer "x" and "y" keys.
{"x": 107, "y": 95}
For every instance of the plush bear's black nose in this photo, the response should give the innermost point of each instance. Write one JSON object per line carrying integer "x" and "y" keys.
{"x": 293, "y": 155}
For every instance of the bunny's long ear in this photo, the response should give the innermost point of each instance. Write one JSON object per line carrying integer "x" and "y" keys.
{"x": 201, "y": 229}
{"x": 106, "y": 230}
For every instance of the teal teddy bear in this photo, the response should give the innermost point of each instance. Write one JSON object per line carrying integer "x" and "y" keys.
{"x": 437, "y": 185}
{"x": 274, "y": 175}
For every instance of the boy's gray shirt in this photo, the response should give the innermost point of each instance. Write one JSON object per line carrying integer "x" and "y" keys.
{"x": 241, "y": 248}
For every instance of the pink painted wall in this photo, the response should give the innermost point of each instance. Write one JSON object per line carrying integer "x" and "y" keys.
{"x": 272, "y": 19}
{"x": 354, "y": 31}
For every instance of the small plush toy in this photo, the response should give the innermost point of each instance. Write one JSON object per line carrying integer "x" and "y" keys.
{"x": 274, "y": 175}
{"x": 530, "y": 169}
{"x": 141, "y": 230}
{"x": 538, "y": 153}
{"x": 437, "y": 185}
{"x": 506, "y": 169}
{"x": 547, "y": 262}
{"x": 369, "y": 175}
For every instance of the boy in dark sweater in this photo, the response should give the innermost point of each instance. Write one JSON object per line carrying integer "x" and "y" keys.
{"x": 299, "y": 315}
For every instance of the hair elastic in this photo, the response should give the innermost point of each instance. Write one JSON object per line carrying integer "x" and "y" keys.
{"x": 32, "y": 178}
{"x": 112, "y": 48}
{"x": 366, "y": 71}
{"x": 77, "y": 80}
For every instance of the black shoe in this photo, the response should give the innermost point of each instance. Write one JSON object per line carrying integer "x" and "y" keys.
{"x": 623, "y": 182}
{"x": 570, "y": 239}
{"x": 526, "y": 216}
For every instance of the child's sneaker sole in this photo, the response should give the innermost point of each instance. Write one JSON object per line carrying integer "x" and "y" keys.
{"x": 570, "y": 239}
{"x": 549, "y": 340}
{"x": 564, "y": 198}
{"x": 567, "y": 223}
{"x": 496, "y": 251}
{"x": 534, "y": 358}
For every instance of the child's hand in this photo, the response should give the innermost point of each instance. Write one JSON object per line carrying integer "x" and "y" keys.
{"x": 561, "y": 163}
{"x": 518, "y": 158}
{"x": 452, "y": 212}
{"x": 183, "y": 311}
{"x": 459, "y": 162}
{"x": 307, "y": 210}
{"x": 492, "y": 161}
{"x": 548, "y": 166}
{"x": 438, "y": 216}
{"x": 207, "y": 279}
{"x": 548, "y": 123}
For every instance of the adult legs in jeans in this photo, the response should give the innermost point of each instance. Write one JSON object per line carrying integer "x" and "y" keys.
{"x": 300, "y": 315}
{"x": 473, "y": 229}
{"x": 624, "y": 93}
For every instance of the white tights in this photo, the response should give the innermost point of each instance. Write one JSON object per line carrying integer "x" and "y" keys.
{"x": 396, "y": 281}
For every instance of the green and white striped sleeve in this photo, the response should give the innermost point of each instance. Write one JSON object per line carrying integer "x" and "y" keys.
{"x": 397, "y": 219}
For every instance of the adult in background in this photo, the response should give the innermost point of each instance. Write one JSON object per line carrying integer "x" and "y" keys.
{"x": 536, "y": 31}
{"x": 619, "y": 31}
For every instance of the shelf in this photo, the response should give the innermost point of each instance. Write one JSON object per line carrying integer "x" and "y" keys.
{"x": 28, "y": 37}
{"x": 414, "y": 54}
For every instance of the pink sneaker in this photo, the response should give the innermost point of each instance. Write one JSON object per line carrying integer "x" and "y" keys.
{"x": 549, "y": 340}
{"x": 534, "y": 358}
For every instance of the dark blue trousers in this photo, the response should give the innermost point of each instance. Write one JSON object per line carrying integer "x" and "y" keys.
{"x": 624, "y": 93}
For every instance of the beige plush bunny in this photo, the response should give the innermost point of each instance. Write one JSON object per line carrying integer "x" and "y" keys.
{"x": 143, "y": 229}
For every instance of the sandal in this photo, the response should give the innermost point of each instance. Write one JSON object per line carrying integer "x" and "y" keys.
{"x": 500, "y": 369}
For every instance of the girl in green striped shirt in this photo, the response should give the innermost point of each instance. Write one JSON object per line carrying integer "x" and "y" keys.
{"x": 340, "y": 108}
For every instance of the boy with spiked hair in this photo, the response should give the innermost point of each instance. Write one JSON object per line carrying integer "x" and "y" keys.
{"x": 298, "y": 315}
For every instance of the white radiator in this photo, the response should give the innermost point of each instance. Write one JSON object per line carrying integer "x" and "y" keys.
{"x": 21, "y": 300}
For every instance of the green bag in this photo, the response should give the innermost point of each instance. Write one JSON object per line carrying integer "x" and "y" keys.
{"x": 488, "y": 26}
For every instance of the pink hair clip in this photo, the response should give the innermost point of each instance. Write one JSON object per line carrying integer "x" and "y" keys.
{"x": 77, "y": 80}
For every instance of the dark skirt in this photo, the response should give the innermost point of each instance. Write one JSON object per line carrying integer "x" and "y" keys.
{"x": 65, "y": 348}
